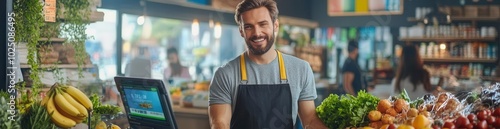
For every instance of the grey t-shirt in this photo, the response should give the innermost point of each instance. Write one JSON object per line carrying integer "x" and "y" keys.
{"x": 224, "y": 85}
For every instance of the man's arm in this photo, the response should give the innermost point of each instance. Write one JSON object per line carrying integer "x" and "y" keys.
{"x": 220, "y": 116}
{"x": 220, "y": 110}
{"x": 308, "y": 116}
{"x": 348, "y": 78}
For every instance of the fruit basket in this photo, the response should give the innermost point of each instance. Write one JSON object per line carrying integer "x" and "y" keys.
{"x": 478, "y": 109}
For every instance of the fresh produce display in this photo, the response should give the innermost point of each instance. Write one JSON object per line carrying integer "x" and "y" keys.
{"x": 446, "y": 106}
{"x": 6, "y": 122}
{"x": 67, "y": 105}
{"x": 98, "y": 110}
{"x": 36, "y": 117}
{"x": 398, "y": 110}
{"x": 490, "y": 97}
{"x": 346, "y": 110}
{"x": 465, "y": 110}
{"x": 102, "y": 125}
{"x": 483, "y": 119}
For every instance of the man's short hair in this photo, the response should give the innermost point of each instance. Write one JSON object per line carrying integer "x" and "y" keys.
{"x": 246, "y": 5}
{"x": 352, "y": 45}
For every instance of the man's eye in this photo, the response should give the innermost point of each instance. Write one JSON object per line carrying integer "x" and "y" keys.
{"x": 247, "y": 27}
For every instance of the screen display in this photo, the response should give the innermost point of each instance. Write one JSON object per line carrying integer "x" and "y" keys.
{"x": 144, "y": 103}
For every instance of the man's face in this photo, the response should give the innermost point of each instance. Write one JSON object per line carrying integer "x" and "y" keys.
{"x": 258, "y": 30}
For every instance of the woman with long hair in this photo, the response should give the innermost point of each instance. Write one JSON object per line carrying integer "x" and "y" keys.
{"x": 411, "y": 74}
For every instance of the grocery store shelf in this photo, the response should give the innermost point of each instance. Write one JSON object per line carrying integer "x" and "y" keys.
{"x": 487, "y": 78}
{"x": 365, "y": 13}
{"x": 412, "y": 19}
{"x": 93, "y": 17}
{"x": 65, "y": 66}
{"x": 475, "y": 60}
{"x": 447, "y": 39}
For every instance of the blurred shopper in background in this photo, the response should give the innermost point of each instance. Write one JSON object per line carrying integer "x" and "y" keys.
{"x": 175, "y": 69}
{"x": 353, "y": 78}
{"x": 411, "y": 75}
{"x": 140, "y": 66}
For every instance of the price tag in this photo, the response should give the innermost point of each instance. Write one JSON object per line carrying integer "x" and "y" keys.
{"x": 49, "y": 10}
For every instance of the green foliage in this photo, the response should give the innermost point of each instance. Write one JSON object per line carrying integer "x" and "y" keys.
{"x": 107, "y": 109}
{"x": 8, "y": 120}
{"x": 339, "y": 112}
{"x": 99, "y": 109}
{"x": 37, "y": 117}
{"x": 76, "y": 19}
{"x": 26, "y": 98}
{"x": 4, "y": 94}
{"x": 29, "y": 20}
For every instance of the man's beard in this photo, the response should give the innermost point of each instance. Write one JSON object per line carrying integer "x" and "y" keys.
{"x": 260, "y": 51}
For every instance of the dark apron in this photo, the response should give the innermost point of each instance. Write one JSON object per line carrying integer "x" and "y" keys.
{"x": 263, "y": 106}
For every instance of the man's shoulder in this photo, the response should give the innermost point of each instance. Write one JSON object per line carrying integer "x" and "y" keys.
{"x": 294, "y": 60}
{"x": 230, "y": 66}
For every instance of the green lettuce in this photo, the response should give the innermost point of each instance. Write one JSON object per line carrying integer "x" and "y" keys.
{"x": 339, "y": 112}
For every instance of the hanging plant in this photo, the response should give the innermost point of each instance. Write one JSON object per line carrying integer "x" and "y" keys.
{"x": 76, "y": 18}
{"x": 29, "y": 20}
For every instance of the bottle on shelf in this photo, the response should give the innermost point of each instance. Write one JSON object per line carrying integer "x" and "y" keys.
{"x": 462, "y": 30}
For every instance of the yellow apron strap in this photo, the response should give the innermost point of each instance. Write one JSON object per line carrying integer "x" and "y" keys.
{"x": 281, "y": 63}
{"x": 282, "y": 66}
{"x": 243, "y": 68}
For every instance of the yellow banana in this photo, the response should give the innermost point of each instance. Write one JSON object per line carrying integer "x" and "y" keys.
{"x": 79, "y": 96}
{"x": 57, "y": 118}
{"x": 44, "y": 100}
{"x": 77, "y": 119}
{"x": 65, "y": 106}
{"x": 78, "y": 106}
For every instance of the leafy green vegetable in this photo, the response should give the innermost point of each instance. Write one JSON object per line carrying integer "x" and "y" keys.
{"x": 404, "y": 95}
{"x": 416, "y": 103}
{"x": 8, "y": 120}
{"x": 37, "y": 117}
{"x": 339, "y": 112}
{"x": 107, "y": 109}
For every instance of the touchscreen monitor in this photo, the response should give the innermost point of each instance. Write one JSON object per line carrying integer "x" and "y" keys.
{"x": 146, "y": 102}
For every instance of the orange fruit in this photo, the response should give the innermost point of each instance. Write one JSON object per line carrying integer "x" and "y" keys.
{"x": 405, "y": 127}
{"x": 421, "y": 122}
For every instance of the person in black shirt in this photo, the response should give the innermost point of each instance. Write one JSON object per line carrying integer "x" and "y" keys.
{"x": 352, "y": 77}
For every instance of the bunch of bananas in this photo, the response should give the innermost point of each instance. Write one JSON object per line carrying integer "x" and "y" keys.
{"x": 67, "y": 105}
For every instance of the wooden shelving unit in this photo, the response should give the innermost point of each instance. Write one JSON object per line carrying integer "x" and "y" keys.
{"x": 458, "y": 60}
{"x": 331, "y": 13}
{"x": 449, "y": 39}
{"x": 94, "y": 17}
{"x": 488, "y": 78}
{"x": 412, "y": 19}
{"x": 366, "y": 13}
{"x": 62, "y": 66}
{"x": 59, "y": 40}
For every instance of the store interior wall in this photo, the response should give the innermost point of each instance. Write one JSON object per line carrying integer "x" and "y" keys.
{"x": 292, "y": 8}
{"x": 319, "y": 14}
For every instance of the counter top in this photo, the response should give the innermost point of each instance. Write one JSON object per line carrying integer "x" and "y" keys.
{"x": 191, "y": 110}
